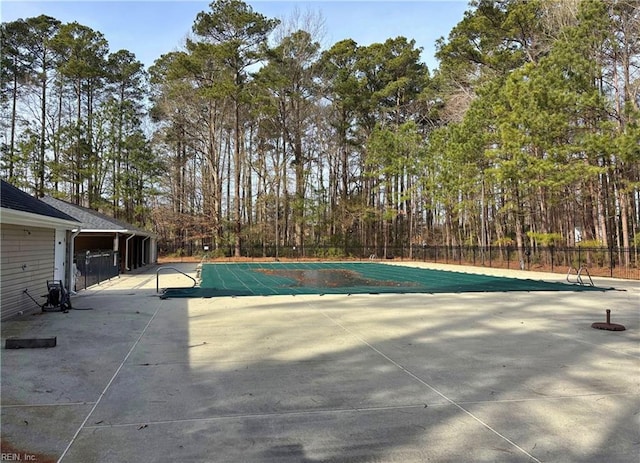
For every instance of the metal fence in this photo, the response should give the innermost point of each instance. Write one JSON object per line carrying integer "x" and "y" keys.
{"x": 94, "y": 267}
{"x": 610, "y": 262}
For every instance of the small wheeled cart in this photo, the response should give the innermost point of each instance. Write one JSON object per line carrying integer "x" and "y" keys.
{"x": 57, "y": 297}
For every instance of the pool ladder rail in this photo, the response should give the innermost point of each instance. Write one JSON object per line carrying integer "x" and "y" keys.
{"x": 177, "y": 270}
{"x": 578, "y": 274}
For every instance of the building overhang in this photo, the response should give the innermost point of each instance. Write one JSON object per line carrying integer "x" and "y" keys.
{"x": 97, "y": 231}
{"x": 29, "y": 219}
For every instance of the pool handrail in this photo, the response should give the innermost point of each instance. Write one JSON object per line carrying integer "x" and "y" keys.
{"x": 171, "y": 268}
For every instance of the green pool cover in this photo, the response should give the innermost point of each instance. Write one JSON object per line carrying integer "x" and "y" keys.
{"x": 285, "y": 278}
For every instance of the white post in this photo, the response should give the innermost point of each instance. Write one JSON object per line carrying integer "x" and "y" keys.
{"x": 126, "y": 253}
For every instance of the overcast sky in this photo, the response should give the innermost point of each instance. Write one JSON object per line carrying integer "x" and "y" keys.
{"x": 153, "y": 27}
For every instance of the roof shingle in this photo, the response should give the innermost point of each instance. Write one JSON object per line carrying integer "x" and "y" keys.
{"x": 15, "y": 199}
{"x": 91, "y": 219}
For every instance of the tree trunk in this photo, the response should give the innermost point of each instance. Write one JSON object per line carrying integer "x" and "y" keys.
{"x": 43, "y": 116}
{"x": 238, "y": 175}
{"x": 12, "y": 135}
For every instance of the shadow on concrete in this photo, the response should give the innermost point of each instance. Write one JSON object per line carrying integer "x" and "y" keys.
{"x": 326, "y": 379}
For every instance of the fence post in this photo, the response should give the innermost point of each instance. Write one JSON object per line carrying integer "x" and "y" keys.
{"x": 611, "y": 261}
{"x": 579, "y": 264}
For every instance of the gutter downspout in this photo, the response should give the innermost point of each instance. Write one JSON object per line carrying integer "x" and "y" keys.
{"x": 143, "y": 249}
{"x": 126, "y": 253}
{"x": 70, "y": 276}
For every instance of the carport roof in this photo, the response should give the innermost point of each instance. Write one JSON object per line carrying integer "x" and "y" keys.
{"x": 15, "y": 199}
{"x": 94, "y": 221}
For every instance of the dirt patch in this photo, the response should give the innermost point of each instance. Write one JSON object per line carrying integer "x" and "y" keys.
{"x": 330, "y": 278}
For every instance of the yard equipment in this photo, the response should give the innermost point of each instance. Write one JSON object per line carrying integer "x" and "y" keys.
{"x": 57, "y": 297}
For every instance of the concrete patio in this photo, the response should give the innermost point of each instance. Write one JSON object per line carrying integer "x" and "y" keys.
{"x": 470, "y": 377}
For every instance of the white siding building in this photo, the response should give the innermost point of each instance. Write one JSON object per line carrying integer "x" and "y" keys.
{"x": 36, "y": 246}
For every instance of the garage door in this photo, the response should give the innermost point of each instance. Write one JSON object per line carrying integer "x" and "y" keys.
{"x": 27, "y": 263}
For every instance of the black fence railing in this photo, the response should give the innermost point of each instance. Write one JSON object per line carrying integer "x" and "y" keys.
{"x": 94, "y": 267}
{"x": 610, "y": 262}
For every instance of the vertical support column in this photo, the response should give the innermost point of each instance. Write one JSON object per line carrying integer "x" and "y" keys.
{"x": 60, "y": 256}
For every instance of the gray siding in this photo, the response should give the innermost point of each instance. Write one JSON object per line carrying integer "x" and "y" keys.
{"x": 27, "y": 261}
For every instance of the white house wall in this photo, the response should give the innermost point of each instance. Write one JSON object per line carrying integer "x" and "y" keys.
{"x": 60, "y": 255}
{"x": 27, "y": 262}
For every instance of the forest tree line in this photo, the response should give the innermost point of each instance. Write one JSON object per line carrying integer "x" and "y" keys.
{"x": 252, "y": 133}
